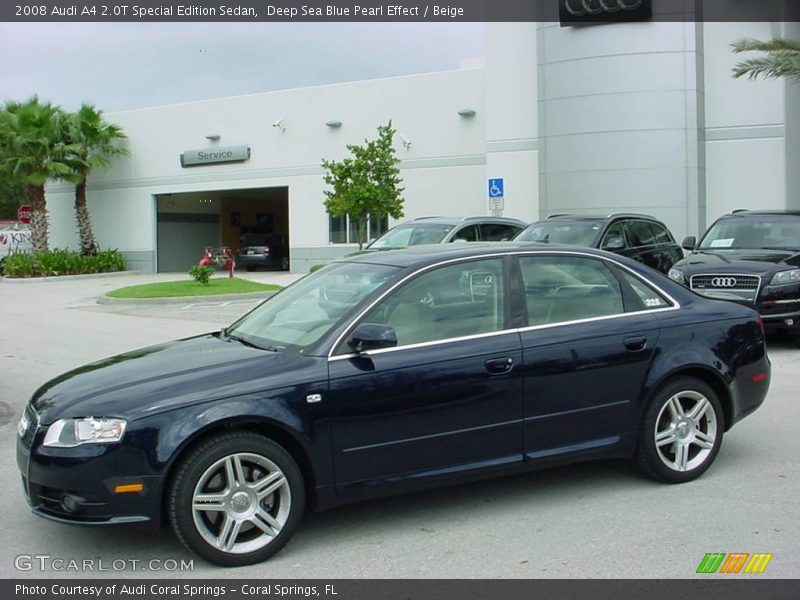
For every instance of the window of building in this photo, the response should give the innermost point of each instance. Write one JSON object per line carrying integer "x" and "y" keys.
{"x": 342, "y": 229}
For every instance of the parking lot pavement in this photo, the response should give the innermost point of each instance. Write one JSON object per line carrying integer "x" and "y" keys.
{"x": 593, "y": 520}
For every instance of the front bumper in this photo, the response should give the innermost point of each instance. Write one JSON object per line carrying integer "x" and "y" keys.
{"x": 77, "y": 485}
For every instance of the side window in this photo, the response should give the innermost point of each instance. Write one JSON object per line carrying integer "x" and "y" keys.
{"x": 496, "y": 232}
{"x": 663, "y": 236}
{"x": 641, "y": 233}
{"x": 614, "y": 238}
{"x": 466, "y": 234}
{"x": 565, "y": 288}
{"x": 648, "y": 296}
{"x": 448, "y": 302}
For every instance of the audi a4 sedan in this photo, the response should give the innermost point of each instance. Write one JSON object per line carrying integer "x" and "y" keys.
{"x": 640, "y": 237}
{"x": 389, "y": 373}
{"x": 750, "y": 257}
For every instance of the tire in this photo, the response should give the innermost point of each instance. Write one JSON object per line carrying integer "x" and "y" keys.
{"x": 681, "y": 431}
{"x": 254, "y": 498}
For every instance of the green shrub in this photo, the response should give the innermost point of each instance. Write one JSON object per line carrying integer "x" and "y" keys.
{"x": 201, "y": 274}
{"x": 62, "y": 262}
{"x": 315, "y": 268}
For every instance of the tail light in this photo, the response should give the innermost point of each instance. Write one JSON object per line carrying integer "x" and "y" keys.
{"x": 266, "y": 249}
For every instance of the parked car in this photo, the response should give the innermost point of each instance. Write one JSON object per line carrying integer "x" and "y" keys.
{"x": 263, "y": 250}
{"x": 443, "y": 230}
{"x": 389, "y": 373}
{"x": 750, "y": 257}
{"x": 639, "y": 237}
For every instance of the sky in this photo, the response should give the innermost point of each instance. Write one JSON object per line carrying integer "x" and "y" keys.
{"x": 121, "y": 66}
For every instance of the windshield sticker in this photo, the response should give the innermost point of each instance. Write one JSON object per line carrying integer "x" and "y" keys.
{"x": 722, "y": 243}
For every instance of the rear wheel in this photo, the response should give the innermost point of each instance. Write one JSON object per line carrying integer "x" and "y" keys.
{"x": 681, "y": 432}
{"x": 236, "y": 499}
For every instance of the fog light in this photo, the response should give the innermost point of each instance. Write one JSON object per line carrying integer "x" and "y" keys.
{"x": 71, "y": 504}
{"x": 789, "y": 322}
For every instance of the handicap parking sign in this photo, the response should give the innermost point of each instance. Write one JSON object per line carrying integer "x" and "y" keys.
{"x": 496, "y": 188}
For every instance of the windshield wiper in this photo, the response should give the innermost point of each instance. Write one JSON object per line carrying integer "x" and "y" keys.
{"x": 789, "y": 248}
{"x": 251, "y": 343}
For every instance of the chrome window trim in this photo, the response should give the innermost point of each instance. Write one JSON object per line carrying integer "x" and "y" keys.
{"x": 331, "y": 357}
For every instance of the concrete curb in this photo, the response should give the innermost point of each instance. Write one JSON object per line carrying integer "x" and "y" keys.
{"x": 212, "y": 299}
{"x": 67, "y": 277}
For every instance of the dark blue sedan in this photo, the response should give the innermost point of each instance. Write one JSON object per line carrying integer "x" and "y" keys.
{"x": 393, "y": 372}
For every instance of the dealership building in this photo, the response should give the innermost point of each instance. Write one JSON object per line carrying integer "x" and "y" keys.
{"x": 625, "y": 117}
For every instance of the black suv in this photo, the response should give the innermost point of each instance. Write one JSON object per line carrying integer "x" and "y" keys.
{"x": 751, "y": 257}
{"x": 639, "y": 237}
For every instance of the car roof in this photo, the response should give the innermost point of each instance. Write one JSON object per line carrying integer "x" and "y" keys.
{"x": 612, "y": 216}
{"x": 462, "y": 220}
{"x": 762, "y": 213}
{"x": 416, "y": 256}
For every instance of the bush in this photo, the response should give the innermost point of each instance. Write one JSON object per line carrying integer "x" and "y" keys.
{"x": 201, "y": 274}
{"x": 61, "y": 262}
{"x": 315, "y": 268}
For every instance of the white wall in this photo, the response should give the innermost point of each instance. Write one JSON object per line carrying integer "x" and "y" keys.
{"x": 618, "y": 120}
{"x": 746, "y": 126}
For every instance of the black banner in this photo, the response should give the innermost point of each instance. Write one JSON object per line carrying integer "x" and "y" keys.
{"x": 707, "y": 588}
{"x": 565, "y": 11}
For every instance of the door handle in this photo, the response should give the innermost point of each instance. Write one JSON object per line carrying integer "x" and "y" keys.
{"x": 498, "y": 366}
{"x": 635, "y": 344}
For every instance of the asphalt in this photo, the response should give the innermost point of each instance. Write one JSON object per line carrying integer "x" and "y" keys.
{"x": 593, "y": 520}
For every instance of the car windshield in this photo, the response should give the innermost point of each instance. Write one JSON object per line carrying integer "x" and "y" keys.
{"x": 417, "y": 234}
{"x": 769, "y": 233}
{"x": 578, "y": 233}
{"x": 307, "y": 310}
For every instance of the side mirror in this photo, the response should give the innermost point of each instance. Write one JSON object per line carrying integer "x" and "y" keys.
{"x": 689, "y": 243}
{"x": 372, "y": 336}
{"x": 615, "y": 242}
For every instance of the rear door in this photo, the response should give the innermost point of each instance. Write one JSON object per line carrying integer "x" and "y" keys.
{"x": 586, "y": 352}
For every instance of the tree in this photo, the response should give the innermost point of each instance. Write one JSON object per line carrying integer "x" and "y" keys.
{"x": 12, "y": 194}
{"x": 366, "y": 184}
{"x": 94, "y": 142}
{"x": 781, "y": 59}
{"x": 33, "y": 150}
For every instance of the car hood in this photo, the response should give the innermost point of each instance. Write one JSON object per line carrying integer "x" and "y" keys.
{"x": 164, "y": 377}
{"x": 732, "y": 261}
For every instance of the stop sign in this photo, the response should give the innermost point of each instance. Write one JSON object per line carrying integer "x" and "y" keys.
{"x": 24, "y": 214}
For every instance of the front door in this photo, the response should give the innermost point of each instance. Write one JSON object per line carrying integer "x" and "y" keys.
{"x": 447, "y": 399}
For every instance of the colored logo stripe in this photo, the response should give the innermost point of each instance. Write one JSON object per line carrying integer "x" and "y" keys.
{"x": 758, "y": 562}
{"x": 711, "y": 562}
{"x": 714, "y": 562}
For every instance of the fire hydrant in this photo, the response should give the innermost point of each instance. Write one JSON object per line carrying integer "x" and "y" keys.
{"x": 230, "y": 264}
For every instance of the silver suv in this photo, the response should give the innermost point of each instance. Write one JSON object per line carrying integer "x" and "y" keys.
{"x": 443, "y": 230}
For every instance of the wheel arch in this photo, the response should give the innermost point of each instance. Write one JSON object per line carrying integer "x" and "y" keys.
{"x": 708, "y": 376}
{"x": 266, "y": 427}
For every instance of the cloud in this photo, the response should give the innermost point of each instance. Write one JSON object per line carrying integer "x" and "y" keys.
{"x": 121, "y": 66}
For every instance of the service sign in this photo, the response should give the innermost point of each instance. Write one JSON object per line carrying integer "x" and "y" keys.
{"x": 210, "y": 156}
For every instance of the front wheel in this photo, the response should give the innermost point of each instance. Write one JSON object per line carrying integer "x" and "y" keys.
{"x": 236, "y": 499}
{"x": 681, "y": 432}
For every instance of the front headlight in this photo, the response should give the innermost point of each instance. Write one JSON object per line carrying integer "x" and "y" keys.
{"x": 785, "y": 277}
{"x": 676, "y": 275}
{"x": 68, "y": 433}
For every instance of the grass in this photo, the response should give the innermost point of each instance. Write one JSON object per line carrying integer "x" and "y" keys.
{"x": 172, "y": 289}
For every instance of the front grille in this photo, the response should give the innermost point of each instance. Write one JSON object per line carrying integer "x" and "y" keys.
{"x": 731, "y": 286}
{"x": 33, "y": 425}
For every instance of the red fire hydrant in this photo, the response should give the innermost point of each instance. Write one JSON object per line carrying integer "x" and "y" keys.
{"x": 230, "y": 264}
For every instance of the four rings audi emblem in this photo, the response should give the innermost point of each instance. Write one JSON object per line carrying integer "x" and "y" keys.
{"x": 723, "y": 282}
{"x": 580, "y": 8}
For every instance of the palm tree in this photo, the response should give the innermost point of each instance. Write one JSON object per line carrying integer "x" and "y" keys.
{"x": 33, "y": 150}
{"x": 781, "y": 59}
{"x": 94, "y": 141}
